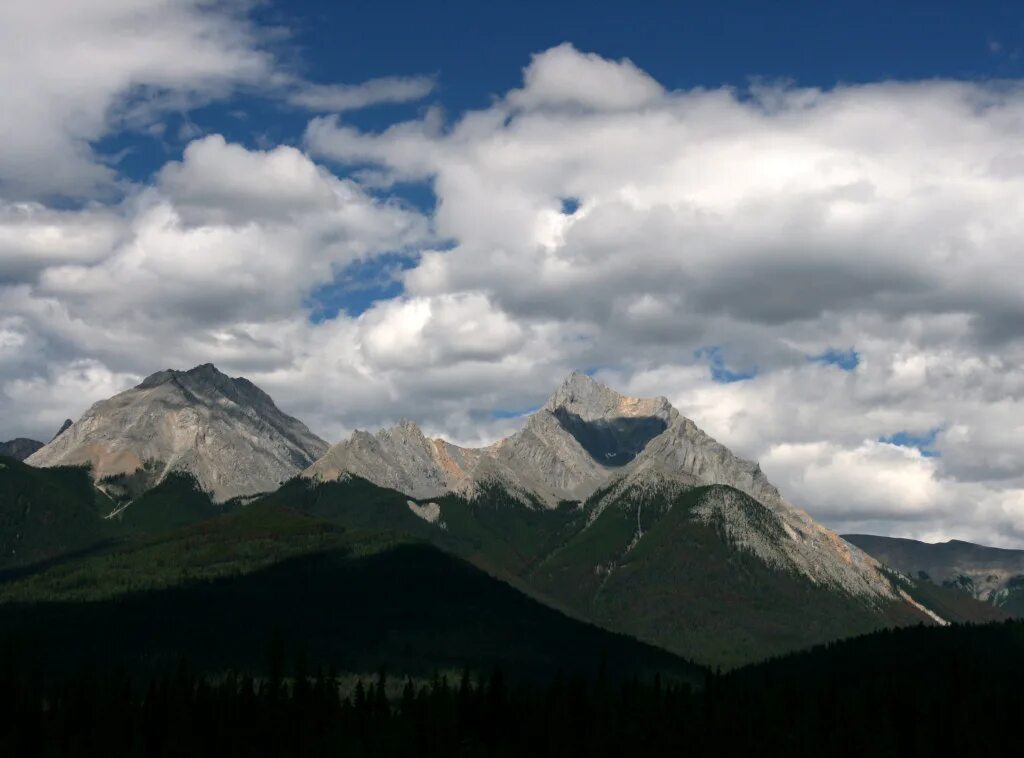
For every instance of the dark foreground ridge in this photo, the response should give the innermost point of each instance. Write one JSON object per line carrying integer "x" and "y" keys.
{"x": 917, "y": 691}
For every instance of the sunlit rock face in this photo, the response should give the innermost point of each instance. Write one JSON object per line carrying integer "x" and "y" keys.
{"x": 585, "y": 438}
{"x": 225, "y": 431}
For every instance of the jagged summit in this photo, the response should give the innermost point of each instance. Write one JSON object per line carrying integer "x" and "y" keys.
{"x": 225, "y": 431}
{"x": 207, "y": 378}
{"x": 586, "y": 437}
{"x": 586, "y": 397}
{"x": 205, "y": 372}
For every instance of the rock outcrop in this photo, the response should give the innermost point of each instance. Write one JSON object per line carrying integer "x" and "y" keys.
{"x": 224, "y": 431}
{"x": 63, "y": 428}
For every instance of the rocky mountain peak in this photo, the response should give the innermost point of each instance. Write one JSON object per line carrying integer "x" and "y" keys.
{"x": 404, "y": 429}
{"x": 205, "y": 374}
{"x": 595, "y": 446}
{"x": 225, "y": 431}
{"x": 587, "y": 437}
{"x": 585, "y": 397}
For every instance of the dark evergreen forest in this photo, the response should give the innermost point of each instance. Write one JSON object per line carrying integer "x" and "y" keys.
{"x": 916, "y": 691}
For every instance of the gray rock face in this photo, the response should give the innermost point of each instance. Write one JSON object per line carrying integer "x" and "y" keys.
{"x": 225, "y": 431}
{"x": 589, "y": 439}
{"x": 788, "y": 539}
{"x": 586, "y": 438}
{"x": 400, "y": 458}
{"x": 19, "y": 448}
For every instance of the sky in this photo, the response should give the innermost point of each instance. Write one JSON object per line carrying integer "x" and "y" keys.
{"x": 799, "y": 222}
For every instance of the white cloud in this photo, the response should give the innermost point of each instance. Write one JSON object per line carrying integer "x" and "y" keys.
{"x": 34, "y": 237}
{"x": 856, "y": 483}
{"x": 563, "y": 77}
{"x": 74, "y": 70}
{"x": 231, "y": 235}
{"x": 346, "y": 97}
{"x": 213, "y": 262}
{"x": 424, "y": 332}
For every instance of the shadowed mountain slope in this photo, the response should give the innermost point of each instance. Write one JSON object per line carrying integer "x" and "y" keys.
{"x": 356, "y": 600}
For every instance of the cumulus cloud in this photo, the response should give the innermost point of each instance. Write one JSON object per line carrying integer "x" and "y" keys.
{"x": 591, "y": 219}
{"x": 231, "y": 235}
{"x": 73, "y": 70}
{"x": 212, "y": 262}
{"x": 563, "y": 77}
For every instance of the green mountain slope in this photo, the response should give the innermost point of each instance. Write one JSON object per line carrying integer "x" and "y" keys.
{"x": 683, "y": 586}
{"x": 48, "y": 513}
{"x": 175, "y": 502}
{"x": 354, "y": 601}
{"x": 645, "y": 566}
{"x": 234, "y": 544}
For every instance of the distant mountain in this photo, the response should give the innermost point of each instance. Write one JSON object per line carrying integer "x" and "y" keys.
{"x": 621, "y": 511}
{"x": 992, "y": 574}
{"x": 19, "y": 448}
{"x": 225, "y": 432}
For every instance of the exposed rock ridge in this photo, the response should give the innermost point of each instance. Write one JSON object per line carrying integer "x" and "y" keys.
{"x": 546, "y": 459}
{"x": 400, "y": 458}
{"x": 591, "y": 400}
{"x": 63, "y": 428}
{"x": 225, "y": 431}
{"x": 787, "y": 538}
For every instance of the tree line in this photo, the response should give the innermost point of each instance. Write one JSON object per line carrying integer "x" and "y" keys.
{"x": 921, "y": 691}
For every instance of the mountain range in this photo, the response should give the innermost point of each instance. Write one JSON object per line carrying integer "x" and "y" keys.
{"x": 991, "y": 574}
{"x": 613, "y": 510}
